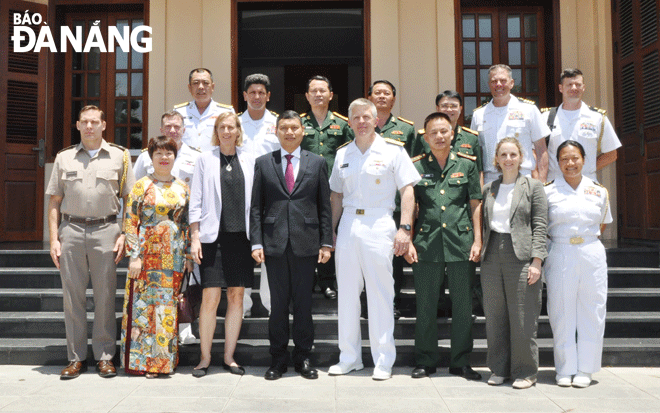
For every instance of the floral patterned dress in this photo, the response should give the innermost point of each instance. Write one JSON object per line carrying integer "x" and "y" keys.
{"x": 156, "y": 226}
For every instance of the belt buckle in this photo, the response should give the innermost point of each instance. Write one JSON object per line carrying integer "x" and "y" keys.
{"x": 577, "y": 240}
{"x": 88, "y": 220}
{"x": 359, "y": 211}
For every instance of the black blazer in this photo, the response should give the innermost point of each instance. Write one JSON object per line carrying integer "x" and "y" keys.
{"x": 302, "y": 217}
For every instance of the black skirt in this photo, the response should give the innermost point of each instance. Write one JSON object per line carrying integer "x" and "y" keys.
{"x": 227, "y": 262}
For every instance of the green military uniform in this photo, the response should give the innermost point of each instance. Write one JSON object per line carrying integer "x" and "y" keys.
{"x": 443, "y": 237}
{"x": 465, "y": 140}
{"x": 401, "y": 130}
{"x": 325, "y": 139}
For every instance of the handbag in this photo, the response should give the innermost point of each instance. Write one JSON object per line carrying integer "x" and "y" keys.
{"x": 190, "y": 300}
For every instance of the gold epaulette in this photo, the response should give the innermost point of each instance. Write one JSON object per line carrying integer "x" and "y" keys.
{"x": 466, "y": 156}
{"x": 406, "y": 120}
{"x": 239, "y": 114}
{"x": 548, "y": 183}
{"x": 275, "y": 113}
{"x": 117, "y": 146}
{"x": 421, "y": 131}
{"x": 343, "y": 144}
{"x": 599, "y": 110}
{"x": 180, "y": 105}
{"x": 531, "y": 102}
{"x": 474, "y": 132}
{"x": 394, "y": 141}
{"x": 543, "y": 110}
{"x": 145, "y": 149}
{"x": 342, "y": 117}
{"x": 67, "y": 148}
{"x": 195, "y": 149}
{"x": 477, "y": 108}
{"x": 418, "y": 157}
{"x": 302, "y": 115}
{"x": 599, "y": 184}
{"x": 222, "y": 105}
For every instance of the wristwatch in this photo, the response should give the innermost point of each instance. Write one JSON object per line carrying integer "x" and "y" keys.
{"x": 405, "y": 227}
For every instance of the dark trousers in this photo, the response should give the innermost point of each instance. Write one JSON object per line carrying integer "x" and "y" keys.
{"x": 325, "y": 274}
{"x": 291, "y": 279}
{"x": 397, "y": 266}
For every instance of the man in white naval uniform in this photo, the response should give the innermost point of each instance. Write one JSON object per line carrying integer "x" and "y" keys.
{"x": 507, "y": 116}
{"x": 577, "y": 121}
{"x": 259, "y": 125}
{"x": 366, "y": 174}
{"x": 200, "y": 114}
{"x": 171, "y": 125}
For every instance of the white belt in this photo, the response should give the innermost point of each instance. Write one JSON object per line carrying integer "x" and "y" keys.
{"x": 577, "y": 240}
{"x": 368, "y": 211}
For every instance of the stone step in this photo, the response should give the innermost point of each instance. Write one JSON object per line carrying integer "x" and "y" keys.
{"x": 51, "y": 325}
{"x": 253, "y": 353}
{"x": 50, "y": 299}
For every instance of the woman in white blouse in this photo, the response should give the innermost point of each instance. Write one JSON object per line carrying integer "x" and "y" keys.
{"x": 514, "y": 233}
{"x": 576, "y": 269}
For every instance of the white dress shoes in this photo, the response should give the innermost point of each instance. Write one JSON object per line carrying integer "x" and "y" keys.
{"x": 521, "y": 384}
{"x": 496, "y": 380}
{"x": 563, "y": 381}
{"x": 582, "y": 380}
{"x": 340, "y": 369}
{"x": 382, "y": 373}
{"x": 186, "y": 335}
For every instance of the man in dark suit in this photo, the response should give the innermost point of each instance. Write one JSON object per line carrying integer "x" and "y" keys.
{"x": 291, "y": 230}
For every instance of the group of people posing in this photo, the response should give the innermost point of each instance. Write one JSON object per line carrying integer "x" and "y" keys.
{"x": 321, "y": 193}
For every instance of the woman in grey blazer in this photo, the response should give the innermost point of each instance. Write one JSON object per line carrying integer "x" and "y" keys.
{"x": 514, "y": 217}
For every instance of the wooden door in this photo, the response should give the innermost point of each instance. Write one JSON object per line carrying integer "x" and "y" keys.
{"x": 22, "y": 130}
{"x": 637, "y": 114}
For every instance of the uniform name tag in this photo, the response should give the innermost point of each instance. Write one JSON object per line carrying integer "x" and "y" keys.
{"x": 457, "y": 175}
{"x": 427, "y": 176}
{"x": 344, "y": 166}
{"x": 71, "y": 174}
{"x": 516, "y": 115}
{"x": 335, "y": 127}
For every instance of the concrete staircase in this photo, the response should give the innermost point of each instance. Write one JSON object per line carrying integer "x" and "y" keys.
{"x": 32, "y": 321}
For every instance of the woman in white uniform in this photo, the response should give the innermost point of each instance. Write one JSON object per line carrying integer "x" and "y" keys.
{"x": 576, "y": 268}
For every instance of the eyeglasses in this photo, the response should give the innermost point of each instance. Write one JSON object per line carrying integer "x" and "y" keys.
{"x": 453, "y": 106}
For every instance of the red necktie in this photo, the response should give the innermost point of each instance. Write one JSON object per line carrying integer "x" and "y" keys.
{"x": 288, "y": 175}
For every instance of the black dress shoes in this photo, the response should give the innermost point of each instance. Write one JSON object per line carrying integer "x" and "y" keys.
{"x": 275, "y": 372}
{"x": 330, "y": 294}
{"x": 306, "y": 370}
{"x": 465, "y": 372}
{"x": 422, "y": 371}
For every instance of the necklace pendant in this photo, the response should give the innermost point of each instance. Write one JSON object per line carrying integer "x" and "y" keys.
{"x": 228, "y": 168}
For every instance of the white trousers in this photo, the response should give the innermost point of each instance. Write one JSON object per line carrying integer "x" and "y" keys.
{"x": 576, "y": 277}
{"x": 363, "y": 257}
{"x": 264, "y": 292}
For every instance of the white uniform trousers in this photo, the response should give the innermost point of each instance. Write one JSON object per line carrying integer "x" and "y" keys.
{"x": 363, "y": 257}
{"x": 264, "y": 292}
{"x": 576, "y": 277}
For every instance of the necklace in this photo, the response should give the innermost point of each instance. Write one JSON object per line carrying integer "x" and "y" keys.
{"x": 231, "y": 158}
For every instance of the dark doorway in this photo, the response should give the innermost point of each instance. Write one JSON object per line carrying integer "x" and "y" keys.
{"x": 294, "y": 40}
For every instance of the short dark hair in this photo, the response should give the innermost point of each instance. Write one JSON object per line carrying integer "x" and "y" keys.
{"x": 256, "y": 79}
{"x": 91, "y": 107}
{"x": 451, "y": 94}
{"x": 434, "y": 116}
{"x": 571, "y": 142}
{"x": 569, "y": 73}
{"x": 288, "y": 114}
{"x": 385, "y": 82}
{"x": 161, "y": 142}
{"x": 319, "y": 77}
{"x": 199, "y": 70}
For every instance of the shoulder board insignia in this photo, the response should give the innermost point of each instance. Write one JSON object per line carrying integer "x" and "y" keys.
{"x": 598, "y": 184}
{"x": 276, "y": 115}
{"x": 418, "y": 157}
{"x": 394, "y": 141}
{"x": 180, "y": 105}
{"x": 466, "y": 156}
{"x": 222, "y": 105}
{"x": 599, "y": 110}
{"x": 474, "y": 132}
{"x": 531, "y": 102}
{"x": 117, "y": 146}
{"x": 302, "y": 115}
{"x": 342, "y": 117}
{"x": 65, "y": 149}
{"x": 421, "y": 131}
{"x": 479, "y": 107}
{"x": 195, "y": 149}
{"x": 343, "y": 144}
{"x": 145, "y": 149}
{"x": 549, "y": 183}
{"x": 543, "y": 110}
{"x": 406, "y": 120}
{"x": 239, "y": 114}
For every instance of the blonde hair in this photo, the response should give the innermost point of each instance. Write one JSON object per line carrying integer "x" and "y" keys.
{"x": 215, "y": 139}
{"x": 497, "y": 150}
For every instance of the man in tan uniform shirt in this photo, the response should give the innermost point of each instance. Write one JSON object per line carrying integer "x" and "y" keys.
{"x": 85, "y": 188}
